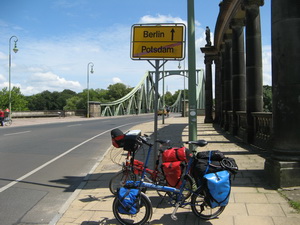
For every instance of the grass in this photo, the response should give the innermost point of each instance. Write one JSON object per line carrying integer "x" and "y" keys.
{"x": 294, "y": 204}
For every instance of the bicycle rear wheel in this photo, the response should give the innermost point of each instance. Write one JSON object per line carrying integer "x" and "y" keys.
{"x": 201, "y": 209}
{"x": 142, "y": 217}
{"x": 120, "y": 179}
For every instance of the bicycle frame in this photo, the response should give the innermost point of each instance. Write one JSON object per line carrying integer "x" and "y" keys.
{"x": 157, "y": 187}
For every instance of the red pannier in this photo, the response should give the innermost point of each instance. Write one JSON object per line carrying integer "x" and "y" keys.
{"x": 175, "y": 154}
{"x": 173, "y": 172}
{"x": 117, "y": 138}
{"x": 138, "y": 167}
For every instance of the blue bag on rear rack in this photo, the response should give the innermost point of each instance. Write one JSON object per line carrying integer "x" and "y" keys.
{"x": 218, "y": 185}
{"x": 129, "y": 200}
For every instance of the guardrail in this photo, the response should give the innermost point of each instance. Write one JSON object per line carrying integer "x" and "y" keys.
{"x": 48, "y": 113}
{"x": 262, "y": 128}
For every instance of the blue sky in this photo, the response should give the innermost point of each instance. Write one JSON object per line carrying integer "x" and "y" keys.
{"x": 58, "y": 38}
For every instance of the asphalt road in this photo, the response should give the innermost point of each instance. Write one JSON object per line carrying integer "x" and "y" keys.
{"x": 42, "y": 165}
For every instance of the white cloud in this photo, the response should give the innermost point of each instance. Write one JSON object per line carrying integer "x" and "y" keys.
{"x": 161, "y": 19}
{"x": 2, "y": 78}
{"x": 117, "y": 80}
{"x": 52, "y": 79}
{"x": 267, "y": 65}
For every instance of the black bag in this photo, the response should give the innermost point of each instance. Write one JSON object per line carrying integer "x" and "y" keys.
{"x": 215, "y": 155}
{"x": 201, "y": 167}
{"x": 131, "y": 143}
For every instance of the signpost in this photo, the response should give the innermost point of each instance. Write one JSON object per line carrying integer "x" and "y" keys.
{"x": 157, "y": 42}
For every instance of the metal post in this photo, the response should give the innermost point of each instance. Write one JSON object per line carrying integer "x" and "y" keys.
{"x": 192, "y": 73}
{"x": 163, "y": 95}
{"x": 9, "y": 72}
{"x": 157, "y": 67}
{"x": 88, "y": 89}
{"x": 155, "y": 106}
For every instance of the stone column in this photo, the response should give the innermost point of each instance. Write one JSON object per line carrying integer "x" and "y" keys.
{"x": 284, "y": 166}
{"x": 254, "y": 79}
{"x": 227, "y": 80}
{"x": 208, "y": 90}
{"x": 222, "y": 81}
{"x": 238, "y": 71}
{"x": 218, "y": 91}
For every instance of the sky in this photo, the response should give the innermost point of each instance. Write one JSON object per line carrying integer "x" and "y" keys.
{"x": 58, "y": 38}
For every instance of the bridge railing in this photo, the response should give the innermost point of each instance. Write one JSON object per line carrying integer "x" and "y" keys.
{"x": 262, "y": 135}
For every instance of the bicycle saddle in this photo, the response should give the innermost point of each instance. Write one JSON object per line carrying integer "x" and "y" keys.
{"x": 200, "y": 143}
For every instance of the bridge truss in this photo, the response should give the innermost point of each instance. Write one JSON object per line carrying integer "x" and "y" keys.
{"x": 141, "y": 98}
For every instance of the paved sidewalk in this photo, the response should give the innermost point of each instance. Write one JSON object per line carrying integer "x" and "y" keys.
{"x": 252, "y": 200}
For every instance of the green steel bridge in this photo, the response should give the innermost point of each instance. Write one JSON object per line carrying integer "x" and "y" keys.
{"x": 141, "y": 99}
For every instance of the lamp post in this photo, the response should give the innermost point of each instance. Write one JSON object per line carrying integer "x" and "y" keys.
{"x": 15, "y": 49}
{"x": 88, "y": 90}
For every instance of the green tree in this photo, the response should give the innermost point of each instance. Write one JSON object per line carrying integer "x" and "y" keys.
{"x": 117, "y": 91}
{"x": 49, "y": 100}
{"x": 72, "y": 103}
{"x": 18, "y": 101}
{"x": 267, "y": 97}
{"x": 169, "y": 98}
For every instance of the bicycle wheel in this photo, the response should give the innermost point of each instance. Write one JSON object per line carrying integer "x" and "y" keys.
{"x": 142, "y": 217}
{"x": 201, "y": 209}
{"x": 8, "y": 122}
{"x": 120, "y": 179}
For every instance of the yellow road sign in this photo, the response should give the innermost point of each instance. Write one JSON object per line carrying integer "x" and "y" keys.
{"x": 158, "y": 41}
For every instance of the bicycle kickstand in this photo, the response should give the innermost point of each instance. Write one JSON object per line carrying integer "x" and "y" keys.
{"x": 173, "y": 216}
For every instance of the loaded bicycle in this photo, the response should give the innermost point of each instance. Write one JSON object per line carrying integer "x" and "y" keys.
{"x": 132, "y": 168}
{"x": 132, "y": 206}
{"x": 7, "y": 121}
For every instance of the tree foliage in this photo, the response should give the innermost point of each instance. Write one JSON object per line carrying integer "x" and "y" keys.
{"x": 267, "y": 97}
{"x": 69, "y": 100}
{"x": 18, "y": 101}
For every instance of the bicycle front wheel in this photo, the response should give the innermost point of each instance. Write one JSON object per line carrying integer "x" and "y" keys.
{"x": 201, "y": 209}
{"x": 8, "y": 122}
{"x": 143, "y": 216}
{"x": 119, "y": 180}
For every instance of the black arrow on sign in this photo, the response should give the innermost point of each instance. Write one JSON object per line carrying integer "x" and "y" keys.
{"x": 172, "y": 31}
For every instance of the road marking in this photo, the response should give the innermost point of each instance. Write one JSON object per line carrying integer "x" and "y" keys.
{"x": 23, "y": 132}
{"x": 75, "y": 125}
{"x": 56, "y": 158}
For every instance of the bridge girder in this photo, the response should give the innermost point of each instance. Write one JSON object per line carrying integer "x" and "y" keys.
{"x": 141, "y": 98}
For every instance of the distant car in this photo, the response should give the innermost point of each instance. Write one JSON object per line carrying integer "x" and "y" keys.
{"x": 160, "y": 112}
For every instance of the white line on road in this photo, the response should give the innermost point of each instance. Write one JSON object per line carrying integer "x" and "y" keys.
{"x": 75, "y": 125}
{"x": 56, "y": 158}
{"x": 23, "y": 132}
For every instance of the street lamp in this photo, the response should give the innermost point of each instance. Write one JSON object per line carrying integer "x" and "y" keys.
{"x": 88, "y": 90}
{"x": 15, "y": 49}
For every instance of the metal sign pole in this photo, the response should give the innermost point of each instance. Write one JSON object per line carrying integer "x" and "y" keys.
{"x": 157, "y": 67}
{"x": 192, "y": 74}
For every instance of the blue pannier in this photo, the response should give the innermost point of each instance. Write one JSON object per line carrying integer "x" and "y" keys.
{"x": 218, "y": 188}
{"x": 129, "y": 200}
